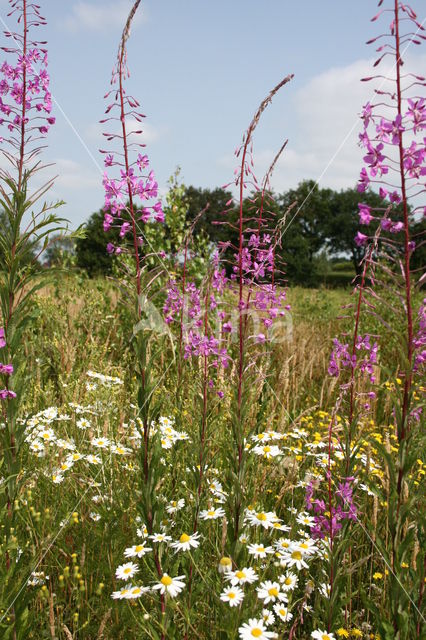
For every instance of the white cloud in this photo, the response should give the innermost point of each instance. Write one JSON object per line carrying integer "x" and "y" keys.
{"x": 322, "y": 124}
{"x": 100, "y": 16}
{"x": 72, "y": 175}
{"x": 150, "y": 133}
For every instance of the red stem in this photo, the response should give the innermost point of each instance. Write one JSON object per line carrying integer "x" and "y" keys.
{"x": 129, "y": 186}
{"x": 408, "y": 373}
{"x": 24, "y": 99}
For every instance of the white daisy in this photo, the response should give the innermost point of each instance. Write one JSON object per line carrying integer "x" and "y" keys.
{"x": 282, "y": 612}
{"x": 294, "y": 558}
{"x": 212, "y": 514}
{"x": 225, "y": 565}
{"x": 101, "y": 443}
{"x": 268, "y": 451}
{"x": 160, "y": 537}
{"x": 233, "y": 596}
{"x": 270, "y": 592}
{"x": 241, "y": 576}
{"x": 185, "y": 542}
{"x": 138, "y": 550}
{"x": 176, "y": 505}
{"x": 288, "y": 581}
{"x": 259, "y": 550}
{"x": 169, "y": 585}
{"x": 136, "y": 592}
{"x": 305, "y": 520}
{"x": 255, "y": 628}
{"x": 268, "y": 617}
{"x": 261, "y": 518}
{"x": 83, "y": 424}
{"x": 127, "y": 570}
{"x": 322, "y": 635}
{"x": 122, "y": 593}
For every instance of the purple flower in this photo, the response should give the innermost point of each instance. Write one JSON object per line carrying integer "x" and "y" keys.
{"x": 365, "y": 216}
{"x": 7, "y": 369}
{"x": 7, "y": 394}
{"x": 360, "y": 239}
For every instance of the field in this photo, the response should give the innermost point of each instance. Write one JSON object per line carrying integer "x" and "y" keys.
{"x": 192, "y": 448}
{"x": 82, "y": 512}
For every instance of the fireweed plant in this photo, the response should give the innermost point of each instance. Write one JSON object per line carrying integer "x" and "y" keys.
{"x": 393, "y": 139}
{"x": 254, "y": 262}
{"x": 25, "y": 106}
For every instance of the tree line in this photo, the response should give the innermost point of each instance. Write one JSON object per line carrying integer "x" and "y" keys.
{"x": 318, "y": 227}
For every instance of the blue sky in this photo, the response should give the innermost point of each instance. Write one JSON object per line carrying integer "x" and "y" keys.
{"x": 200, "y": 69}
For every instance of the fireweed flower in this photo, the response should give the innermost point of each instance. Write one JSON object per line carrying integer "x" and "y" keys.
{"x": 25, "y": 100}
{"x": 131, "y": 190}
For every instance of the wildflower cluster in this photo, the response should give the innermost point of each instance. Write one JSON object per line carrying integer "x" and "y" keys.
{"x": 345, "y": 509}
{"x": 131, "y": 198}
{"x": 25, "y": 98}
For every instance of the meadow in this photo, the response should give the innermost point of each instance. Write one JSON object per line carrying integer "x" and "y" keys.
{"x": 191, "y": 448}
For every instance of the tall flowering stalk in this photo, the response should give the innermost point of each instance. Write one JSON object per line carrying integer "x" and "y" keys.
{"x": 252, "y": 272}
{"x": 131, "y": 200}
{"x": 25, "y": 106}
{"x": 395, "y": 155}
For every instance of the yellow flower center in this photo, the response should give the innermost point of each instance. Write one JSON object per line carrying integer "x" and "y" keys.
{"x": 137, "y": 590}
{"x": 166, "y": 580}
{"x": 325, "y": 636}
{"x": 260, "y": 549}
{"x": 285, "y": 545}
{"x": 304, "y": 545}
{"x": 296, "y": 555}
{"x": 261, "y": 516}
{"x": 127, "y": 570}
{"x": 139, "y": 547}
{"x": 231, "y": 595}
{"x": 225, "y": 561}
{"x": 240, "y": 575}
{"x": 256, "y": 632}
{"x": 273, "y": 592}
{"x": 287, "y": 581}
{"x": 184, "y": 537}
{"x": 266, "y": 449}
{"x": 211, "y": 513}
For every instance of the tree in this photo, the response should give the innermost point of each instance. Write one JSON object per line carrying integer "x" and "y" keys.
{"x": 91, "y": 252}
{"x": 60, "y": 252}
{"x": 343, "y": 224}
{"x": 304, "y": 230}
